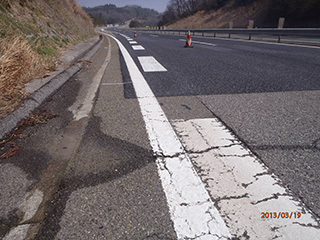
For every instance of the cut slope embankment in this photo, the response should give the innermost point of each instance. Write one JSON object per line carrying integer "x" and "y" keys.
{"x": 220, "y": 18}
{"x": 32, "y": 32}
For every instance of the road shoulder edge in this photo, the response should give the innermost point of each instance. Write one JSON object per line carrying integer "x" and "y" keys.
{"x": 35, "y": 99}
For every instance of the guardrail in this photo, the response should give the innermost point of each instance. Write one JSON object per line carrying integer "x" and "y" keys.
{"x": 279, "y": 32}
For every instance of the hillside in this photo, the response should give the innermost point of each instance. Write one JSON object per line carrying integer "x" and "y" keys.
{"x": 220, "y": 18}
{"x": 218, "y": 13}
{"x": 31, "y": 34}
{"x": 111, "y": 14}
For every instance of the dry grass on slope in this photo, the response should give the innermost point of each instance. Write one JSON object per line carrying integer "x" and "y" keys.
{"x": 220, "y": 18}
{"x": 18, "y": 65}
{"x": 32, "y": 32}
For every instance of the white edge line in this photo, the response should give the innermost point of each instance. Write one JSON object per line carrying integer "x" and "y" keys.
{"x": 192, "y": 211}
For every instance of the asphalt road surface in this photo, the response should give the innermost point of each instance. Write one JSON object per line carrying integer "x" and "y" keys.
{"x": 268, "y": 94}
{"x": 218, "y": 141}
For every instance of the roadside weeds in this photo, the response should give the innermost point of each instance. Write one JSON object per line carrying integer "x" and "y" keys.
{"x": 19, "y": 64}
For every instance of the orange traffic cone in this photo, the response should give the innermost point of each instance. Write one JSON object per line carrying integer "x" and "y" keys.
{"x": 135, "y": 34}
{"x": 189, "y": 42}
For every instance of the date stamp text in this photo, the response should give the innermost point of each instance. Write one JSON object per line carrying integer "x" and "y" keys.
{"x": 280, "y": 215}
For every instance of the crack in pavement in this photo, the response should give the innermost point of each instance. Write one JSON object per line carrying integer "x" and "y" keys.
{"x": 212, "y": 148}
{"x": 274, "y": 196}
{"x": 307, "y": 225}
{"x": 219, "y": 199}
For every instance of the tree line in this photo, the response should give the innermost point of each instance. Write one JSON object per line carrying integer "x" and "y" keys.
{"x": 299, "y": 9}
{"x": 111, "y": 14}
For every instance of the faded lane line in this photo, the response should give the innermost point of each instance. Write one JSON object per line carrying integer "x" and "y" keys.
{"x": 31, "y": 204}
{"x": 203, "y": 43}
{"x": 87, "y": 104}
{"x": 192, "y": 211}
{"x": 150, "y": 64}
{"x": 242, "y": 185}
{"x": 132, "y": 42}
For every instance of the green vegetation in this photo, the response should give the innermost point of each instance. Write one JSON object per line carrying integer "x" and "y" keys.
{"x": 110, "y": 14}
{"x": 44, "y": 21}
{"x": 134, "y": 24}
{"x": 98, "y": 20}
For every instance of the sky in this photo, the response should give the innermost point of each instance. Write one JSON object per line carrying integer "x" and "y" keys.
{"x": 159, "y": 5}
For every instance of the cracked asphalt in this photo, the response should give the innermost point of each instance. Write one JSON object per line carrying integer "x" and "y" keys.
{"x": 266, "y": 95}
{"x": 111, "y": 189}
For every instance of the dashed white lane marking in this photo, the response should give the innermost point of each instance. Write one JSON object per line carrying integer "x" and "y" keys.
{"x": 126, "y": 37}
{"x": 132, "y": 42}
{"x": 192, "y": 211}
{"x": 203, "y": 43}
{"x": 150, "y": 64}
{"x": 138, "y": 47}
{"x": 242, "y": 186}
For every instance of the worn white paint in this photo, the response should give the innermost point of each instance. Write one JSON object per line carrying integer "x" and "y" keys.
{"x": 138, "y": 47}
{"x": 31, "y": 204}
{"x": 28, "y": 207}
{"x": 241, "y": 185}
{"x": 150, "y": 64}
{"x": 133, "y": 42}
{"x": 86, "y": 106}
{"x": 192, "y": 212}
{"x": 18, "y": 233}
